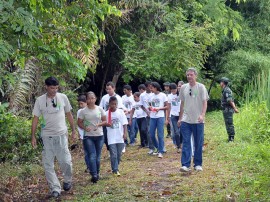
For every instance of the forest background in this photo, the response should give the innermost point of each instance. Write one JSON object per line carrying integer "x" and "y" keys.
{"x": 88, "y": 43}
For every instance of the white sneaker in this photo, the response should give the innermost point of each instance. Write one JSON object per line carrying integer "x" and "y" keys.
{"x": 160, "y": 155}
{"x": 184, "y": 169}
{"x": 198, "y": 168}
{"x": 124, "y": 150}
{"x": 151, "y": 151}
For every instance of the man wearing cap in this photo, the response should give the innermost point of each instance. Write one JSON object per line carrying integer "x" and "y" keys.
{"x": 167, "y": 91}
{"x": 228, "y": 107}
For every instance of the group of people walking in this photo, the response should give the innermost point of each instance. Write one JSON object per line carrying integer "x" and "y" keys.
{"x": 146, "y": 111}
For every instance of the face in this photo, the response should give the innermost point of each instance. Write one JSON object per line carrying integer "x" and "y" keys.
{"x": 221, "y": 84}
{"x": 51, "y": 90}
{"x": 174, "y": 91}
{"x": 178, "y": 87}
{"x": 148, "y": 89}
{"x": 82, "y": 104}
{"x": 141, "y": 90}
{"x": 110, "y": 90}
{"x": 153, "y": 89}
{"x": 113, "y": 105}
{"x": 136, "y": 98}
{"x": 191, "y": 76}
{"x": 127, "y": 92}
{"x": 91, "y": 99}
{"x": 166, "y": 88}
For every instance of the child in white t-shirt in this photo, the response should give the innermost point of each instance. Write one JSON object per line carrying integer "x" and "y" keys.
{"x": 82, "y": 104}
{"x": 116, "y": 133}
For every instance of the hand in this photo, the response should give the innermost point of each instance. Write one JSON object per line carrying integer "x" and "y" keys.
{"x": 34, "y": 142}
{"x": 148, "y": 113}
{"x": 108, "y": 124}
{"x": 73, "y": 135}
{"x": 179, "y": 123}
{"x": 236, "y": 110}
{"x": 157, "y": 109}
{"x": 201, "y": 119}
{"x": 167, "y": 121}
{"x": 87, "y": 129}
{"x": 130, "y": 122}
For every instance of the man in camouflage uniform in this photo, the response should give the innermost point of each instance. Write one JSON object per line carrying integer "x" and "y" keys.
{"x": 228, "y": 107}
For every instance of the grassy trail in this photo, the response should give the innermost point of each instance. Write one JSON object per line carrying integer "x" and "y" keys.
{"x": 146, "y": 178}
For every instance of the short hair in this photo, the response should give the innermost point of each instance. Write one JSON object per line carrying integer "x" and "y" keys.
{"x": 128, "y": 87}
{"x": 181, "y": 82}
{"x": 90, "y": 93}
{"x": 156, "y": 85}
{"x": 81, "y": 98}
{"x": 147, "y": 83}
{"x": 192, "y": 69}
{"x": 173, "y": 86}
{"x": 110, "y": 83}
{"x": 137, "y": 94}
{"x": 142, "y": 86}
{"x": 113, "y": 98}
{"x": 51, "y": 81}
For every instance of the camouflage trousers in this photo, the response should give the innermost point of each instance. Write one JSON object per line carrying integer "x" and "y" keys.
{"x": 228, "y": 118}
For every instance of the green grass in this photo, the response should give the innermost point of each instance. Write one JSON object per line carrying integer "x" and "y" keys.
{"x": 232, "y": 171}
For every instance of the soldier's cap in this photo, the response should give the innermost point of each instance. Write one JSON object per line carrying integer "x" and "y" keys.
{"x": 224, "y": 79}
{"x": 167, "y": 84}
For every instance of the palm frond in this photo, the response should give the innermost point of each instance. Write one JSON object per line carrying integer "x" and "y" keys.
{"x": 22, "y": 91}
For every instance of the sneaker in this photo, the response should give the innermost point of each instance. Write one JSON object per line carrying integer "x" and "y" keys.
{"x": 198, "y": 168}
{"x": 184, "y": 169}
{"x": 67, "y": 186}
{"x": 87, "y": 170}
{"x": 132, "y": 144}
{"x": 155, "y": 152}
{"x": 151, "y": 151}
{"x": 124, "y": 150}
{"x": 94, "y": 179}
{"x": 116, "y": 174}
{"x": 160, "y": 155}
{"x": 55, "y": 194}
{"x": 179, "y": 150}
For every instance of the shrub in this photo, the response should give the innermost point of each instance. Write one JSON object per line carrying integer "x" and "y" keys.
{"x": 15, "y": 137}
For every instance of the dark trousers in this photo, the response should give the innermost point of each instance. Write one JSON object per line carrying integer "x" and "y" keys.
{"x": 142, "y": 124}
{"x": 228, "y": 118}
{"x": 105, "y": 137}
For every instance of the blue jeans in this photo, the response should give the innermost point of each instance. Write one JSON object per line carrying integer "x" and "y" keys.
{"x": 177, "y": 137}
{"x": 157, "y": 124}
{"x": 142, "y": 124}
{"x": 115, "y": 155}
{"x": 131, "y": 130}
{"x": 150, "y": 143}
{"x": 93, "y": 146}
{"x": 198, "y": 131}
{"x": 86, "y": 157}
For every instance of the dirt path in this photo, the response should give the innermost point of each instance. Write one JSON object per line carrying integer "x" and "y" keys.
{"x": 143, "y": 178}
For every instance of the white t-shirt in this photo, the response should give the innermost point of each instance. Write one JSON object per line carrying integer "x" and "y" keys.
{"x": 53, "y": 119}
{"x": 128, "y": 102}
{"x": 145, "y": 99}
{"x": 140, "y": 113}
{"x": 174, "y": 100}
{"x": 81, "y": 131}
{"x": 104, "y": 103}
{"x": 116, "y": 132}
{"x": 157, "y": 101}
{"x": 193, "y": 98}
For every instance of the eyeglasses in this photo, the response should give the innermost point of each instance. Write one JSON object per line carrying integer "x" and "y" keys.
{"x": 190, "y": 92}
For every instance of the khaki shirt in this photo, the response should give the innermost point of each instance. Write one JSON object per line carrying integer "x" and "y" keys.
{"x": 53, "y": 119}
{"x": 193, "y": 98}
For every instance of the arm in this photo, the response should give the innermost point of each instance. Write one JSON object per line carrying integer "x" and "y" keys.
{"x": 131, "y": 116}
{"x": 103, "y": 121}
{"x": 233, "y": 106}
{"x": 202, "y": 116}
{"x": 181, "y": 113}
{"x": 168, "y": 111}
{"x": 125, "y": 132}
{"x": 33, "y": 131}
{"x": 72, "y": 125}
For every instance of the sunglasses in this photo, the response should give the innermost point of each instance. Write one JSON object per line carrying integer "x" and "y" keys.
{"x": 54, "y": 104}
{"x": 190, "y": 92}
